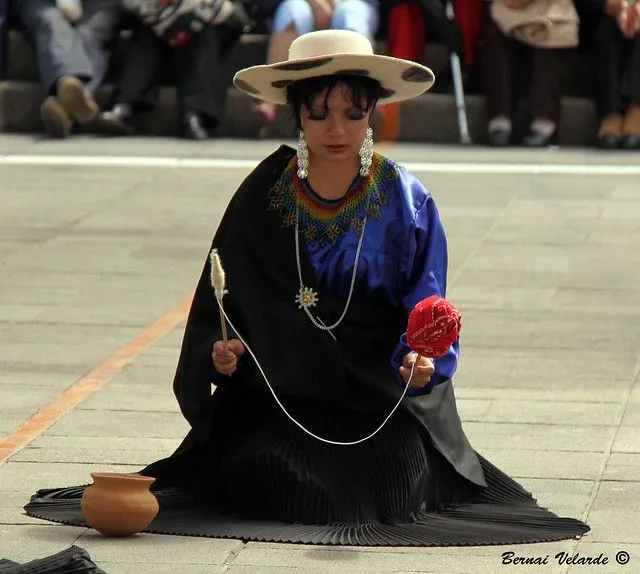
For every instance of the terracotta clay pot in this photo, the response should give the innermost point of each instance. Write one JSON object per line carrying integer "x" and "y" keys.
{"x": 119, "y": 504}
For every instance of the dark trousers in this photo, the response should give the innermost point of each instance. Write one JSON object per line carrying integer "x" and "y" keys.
{"x": 65, "y": 49}
{"x": 4, "y": 16}
{"x": 617, "y": 66}
{"x": 511, "y": 67}
{"x": 197, "y": 69}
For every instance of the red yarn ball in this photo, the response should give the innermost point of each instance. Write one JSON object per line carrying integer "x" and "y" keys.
{"x": 434, "y": 324}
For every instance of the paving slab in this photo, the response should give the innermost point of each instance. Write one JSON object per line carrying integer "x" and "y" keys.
{"x": 102, "y": 423}
{"x": 613, "y": 517}
{"x": 631, "y": 416}
{"x": 45, "y": 540}
{"x": 623, "y": 467}
{"x": 32, "y": 476}
{"x": 540, "y": 436}
{"x": 11, "y": 510}
{"x": 544, "y": 267}
{"x": 388, "y": 560}
{"x": 543, "y": 464}
{"x": 627, "y": 440}
{"x": 144, "y": 548}
{"x": 558, "y": 413}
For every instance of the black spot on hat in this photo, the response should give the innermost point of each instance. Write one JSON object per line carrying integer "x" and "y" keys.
{"x": 417, "y": 74}
{"x": 246, "y": 87}
{"x": 302, "y": 65}
{"x": 354, "y": 72}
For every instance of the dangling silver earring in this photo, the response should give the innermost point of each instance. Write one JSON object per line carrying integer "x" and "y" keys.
{"x": 303, "y": 156}
{"x": 366, "y": 153}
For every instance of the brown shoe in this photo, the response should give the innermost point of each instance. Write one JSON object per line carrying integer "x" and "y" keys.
{"x": 631, "y": 128}
{"x": 76, "y": 100}
{"x": 56, "y": 121}
{"x": 632, "y": 121}
{"x": 610, "y": 132}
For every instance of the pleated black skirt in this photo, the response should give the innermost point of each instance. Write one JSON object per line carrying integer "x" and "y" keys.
{"x": 262, "y": 478}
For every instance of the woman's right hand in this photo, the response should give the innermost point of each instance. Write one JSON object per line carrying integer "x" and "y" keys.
{"x": 226, "y": 355}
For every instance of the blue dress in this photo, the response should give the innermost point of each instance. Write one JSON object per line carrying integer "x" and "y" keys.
{"x": 403, "y": 258}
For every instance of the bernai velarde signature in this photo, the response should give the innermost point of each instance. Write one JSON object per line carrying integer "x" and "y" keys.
{"x": 561, "y": 558}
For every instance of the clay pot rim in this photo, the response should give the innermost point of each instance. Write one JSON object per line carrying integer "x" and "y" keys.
{"x": 123, "y": 476}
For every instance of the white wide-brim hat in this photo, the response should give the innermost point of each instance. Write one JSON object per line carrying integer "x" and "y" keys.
{"x": 329, "y": 52}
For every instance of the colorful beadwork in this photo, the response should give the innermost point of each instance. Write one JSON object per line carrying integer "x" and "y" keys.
{"x": 327, "y": 222}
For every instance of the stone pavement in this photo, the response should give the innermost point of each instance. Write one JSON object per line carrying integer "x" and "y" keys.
{"x": 543, "y": 267}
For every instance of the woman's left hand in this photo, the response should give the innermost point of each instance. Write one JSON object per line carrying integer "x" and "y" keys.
{"x": 421, "y": 373}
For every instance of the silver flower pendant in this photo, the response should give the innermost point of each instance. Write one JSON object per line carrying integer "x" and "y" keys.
{"x": 306, "y": 297}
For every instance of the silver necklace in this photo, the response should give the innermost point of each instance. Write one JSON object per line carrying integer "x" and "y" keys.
{"x": 306, "y": 296}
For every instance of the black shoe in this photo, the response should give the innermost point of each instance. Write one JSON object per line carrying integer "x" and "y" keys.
{"x": 609, "y": 141}
{"x": 499, "y": 137}
{"x": 536, "y": 139}
{"x": 630, "y": 141}
{"x": 193, "y": 127}
{"x": 116, "y": 121}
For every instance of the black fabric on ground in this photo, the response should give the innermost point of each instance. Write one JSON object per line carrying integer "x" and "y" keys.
{"x": 72, "y": 560}
{"x": 268, "y": 481}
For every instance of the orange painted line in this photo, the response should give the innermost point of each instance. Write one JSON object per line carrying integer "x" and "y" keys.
{"x": 92, "y": 382}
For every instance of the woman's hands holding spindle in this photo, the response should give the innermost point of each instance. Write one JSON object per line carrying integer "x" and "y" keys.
{"x": 421, "y": 373}
{"x": 226, "y": 355}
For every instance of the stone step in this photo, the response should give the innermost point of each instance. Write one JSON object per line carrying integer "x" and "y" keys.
{"x": 429, "y": 118}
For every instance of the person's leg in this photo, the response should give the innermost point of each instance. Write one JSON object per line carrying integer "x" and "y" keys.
{"x": 201, "y": 89}
{"x": 497, "y": 84}
{"x": 357, "y": 15}
{"x": 4, "y": 29}
{"x": 469, "y": 17}
{"x": 406, "y": 36}
{"x": 607, "y": 56}
{"x": 546, "y": 91}
{"x": 291, "y": 19}
{"x": 63, "y": 64}
{"x": 631, "y": 91}
{"x": 136, "y": 89}
{"x": 59, "y": 49}
{"x": 406, "y": 39}
{"x": 98, "y": 30}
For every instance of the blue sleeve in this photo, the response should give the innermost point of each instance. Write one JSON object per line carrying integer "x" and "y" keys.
{"x": 425, "y": 275}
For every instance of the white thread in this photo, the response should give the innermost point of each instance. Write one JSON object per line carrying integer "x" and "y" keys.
{"x": 375, "y": 432}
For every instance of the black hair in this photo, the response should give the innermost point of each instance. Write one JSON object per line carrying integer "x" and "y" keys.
{"x": 363, "y": 91}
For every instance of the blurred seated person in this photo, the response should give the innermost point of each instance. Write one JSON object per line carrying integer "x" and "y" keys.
{"x": 4, "y": 16}
{"x": 72, "y": 41}
{"x": 196, "y": 45}
{"x": 517, "y": 47}
{"x": 617, "y": 85}
{"x": 293, "y": 18}
{"x": 411, "y": 23}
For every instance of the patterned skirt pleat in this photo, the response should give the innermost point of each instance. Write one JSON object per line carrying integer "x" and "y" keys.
{"x": 271, "y": 482}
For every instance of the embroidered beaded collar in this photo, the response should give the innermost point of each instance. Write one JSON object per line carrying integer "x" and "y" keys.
{"x": 326, "y": 221}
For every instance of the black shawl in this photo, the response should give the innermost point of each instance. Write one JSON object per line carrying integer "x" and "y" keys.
{"x": 258, "y": 256}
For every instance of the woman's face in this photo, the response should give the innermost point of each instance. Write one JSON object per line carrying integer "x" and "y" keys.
{"x": 334, "y": 128}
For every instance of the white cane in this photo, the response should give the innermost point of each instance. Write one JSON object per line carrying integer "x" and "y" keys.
{"x": 458, "y": 88}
